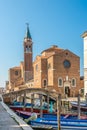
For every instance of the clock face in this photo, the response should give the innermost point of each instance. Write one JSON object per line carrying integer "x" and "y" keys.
{"x": 66, "y": 64}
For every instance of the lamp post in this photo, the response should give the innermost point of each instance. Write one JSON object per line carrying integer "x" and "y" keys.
{"x": 58, "y": 110}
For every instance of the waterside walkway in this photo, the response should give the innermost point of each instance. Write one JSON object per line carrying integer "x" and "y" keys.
{"x": 10, "y": 121}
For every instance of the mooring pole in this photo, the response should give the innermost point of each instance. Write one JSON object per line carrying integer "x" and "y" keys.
{"x": 41, "y": 109}
{"x": 24, "y": 99}
{"x": 58, "y": 110}
{"x": 86, "y": 98}
{"x": 78, "y": 106}
{"x": 48, "y": 102}
{"x": 32, "y": 102}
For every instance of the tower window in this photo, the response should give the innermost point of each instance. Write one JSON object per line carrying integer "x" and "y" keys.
{"x": 60, "y": 82}
{"x": 28, "y": 49}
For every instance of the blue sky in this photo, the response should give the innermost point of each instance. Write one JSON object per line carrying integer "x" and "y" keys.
{"x": 59, "y": 22}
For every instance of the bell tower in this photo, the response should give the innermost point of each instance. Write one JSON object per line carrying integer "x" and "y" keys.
{"x": 28, "y": 67}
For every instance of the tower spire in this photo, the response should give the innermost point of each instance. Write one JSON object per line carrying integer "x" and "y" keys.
{"x": 28, "y": 35}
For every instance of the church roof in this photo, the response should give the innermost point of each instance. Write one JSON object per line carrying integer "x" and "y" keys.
{"x": 54, "y": 48}
{"x": 16, "y": 67}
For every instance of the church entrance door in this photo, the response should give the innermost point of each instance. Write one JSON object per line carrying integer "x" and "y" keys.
{"x": 67, "y": 91}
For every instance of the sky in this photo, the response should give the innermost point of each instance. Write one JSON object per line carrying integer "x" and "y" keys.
{"x": 51, "y": 22}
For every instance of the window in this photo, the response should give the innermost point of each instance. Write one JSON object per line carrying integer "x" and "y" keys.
{"x": 28, "y": 49}
{"x": 60, "y": 82}
{"x": 66, "y": 64}
{"x": 45, "y": 83}
{"x": 66, "y": 53}
{"x": 16, "y": 73}
{"x": 73, "y": 82}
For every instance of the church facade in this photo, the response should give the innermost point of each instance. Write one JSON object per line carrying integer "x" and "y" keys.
{"x": 55, "y": 69}
{"x": 58, "y": 69}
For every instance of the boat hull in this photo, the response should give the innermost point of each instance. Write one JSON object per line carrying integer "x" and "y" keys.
{"x": 83, "y": 106}
{"x": 66, "y": 124}
{"x": 66, "y": 121}
{"x": 28, "y": 109}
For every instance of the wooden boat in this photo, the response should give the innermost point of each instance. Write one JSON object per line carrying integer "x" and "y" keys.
{"x": 83, "y": 105}
{"x": 28, "y": 107}
{"x": 25, "y": 114}
{"x": 70, "y": 122}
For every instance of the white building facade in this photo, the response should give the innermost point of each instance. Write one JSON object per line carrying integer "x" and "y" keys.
{"x": 85, "y": 61}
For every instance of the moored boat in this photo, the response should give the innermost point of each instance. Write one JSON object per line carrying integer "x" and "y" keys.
{"x": 25, "y": 114}
{"x": 66, "y": 122}
{"x": 83, "y": 105}
{"x": 28, "y": 109}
